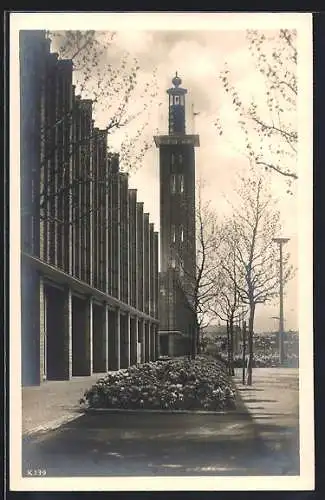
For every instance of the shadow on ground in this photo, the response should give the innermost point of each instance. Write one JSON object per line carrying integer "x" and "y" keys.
{"x": 254, "y": 400}
{"x": 247, "y": 389}
{"x": 160, "y": 444}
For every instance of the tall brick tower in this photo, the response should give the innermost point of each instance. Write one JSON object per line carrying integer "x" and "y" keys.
{"x": 177, "y": 226}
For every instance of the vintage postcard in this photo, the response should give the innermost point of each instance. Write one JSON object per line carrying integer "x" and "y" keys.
{"x": 161, "y": 325}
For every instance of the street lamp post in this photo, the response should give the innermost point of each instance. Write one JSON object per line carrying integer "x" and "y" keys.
{"x": 281, "y": 242}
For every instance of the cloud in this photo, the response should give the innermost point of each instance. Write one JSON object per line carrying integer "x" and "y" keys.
{"x": 135, "y": 42}
{"x": 199, "y": 57}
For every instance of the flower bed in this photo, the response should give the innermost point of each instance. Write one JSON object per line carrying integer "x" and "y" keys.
{"x": 177, "y": 384}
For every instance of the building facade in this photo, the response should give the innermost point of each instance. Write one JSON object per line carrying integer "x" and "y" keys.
{"x": 177, "y": 228}
{"x": 89, "y": 253}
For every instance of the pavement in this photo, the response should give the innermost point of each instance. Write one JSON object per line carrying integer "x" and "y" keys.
{"x": 273, "y": 403}
{"x": 261, "y": 438}
{"x": 53, "y": 403}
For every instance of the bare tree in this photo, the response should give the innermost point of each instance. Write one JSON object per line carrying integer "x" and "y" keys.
{"x": 255, "y": 222}
{"x": 269, "y": 124}
{"x": 225, "y": 303}
{"x": 110, "y": 79}
{"x": 197, "y": 284}
{"x": 69, "y": 169}
{"x": 105, "y": 82}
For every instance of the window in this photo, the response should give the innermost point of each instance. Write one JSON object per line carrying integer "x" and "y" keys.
{"x": 181, "y": 183}
{"x": 180, "y": 158}
{"x": 182, "y": 234}
{"x": 181, "y": 267}
{"x": 173, "y": 234}
{"x": 173, "y": 183}
{"x": 182, "y": 100}
{"x": 172, "y": 158}
{"x": 173, "y": 263}
{"x": 176, "y": 99}
{"x": 181, "y": 272}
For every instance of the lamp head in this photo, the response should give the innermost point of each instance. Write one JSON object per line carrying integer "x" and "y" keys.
{"x": 281, "y": 240}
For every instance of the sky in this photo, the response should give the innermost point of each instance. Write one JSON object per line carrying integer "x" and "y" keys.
{"x": 197, "y": 48}
{"x": 199, "y": 57}
{"x": 196, "y": 45}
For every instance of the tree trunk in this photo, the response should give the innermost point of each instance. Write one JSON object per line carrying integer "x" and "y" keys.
{"x": 250, "y": 344}
{"x": 244, "y": 350}
{"x": 231, "y": 338}
{"x": 228, "y": 348}
{"x": 193, "y": 341}
{"x": 198, "y": 340}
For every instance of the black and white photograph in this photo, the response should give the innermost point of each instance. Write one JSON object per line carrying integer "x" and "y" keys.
{"x": 161, "y": 288}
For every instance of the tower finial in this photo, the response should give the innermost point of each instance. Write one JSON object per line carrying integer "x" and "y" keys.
{"x": 176, "y": 81}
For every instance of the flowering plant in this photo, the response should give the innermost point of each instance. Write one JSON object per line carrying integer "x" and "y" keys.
{"x": 176, "y": 384}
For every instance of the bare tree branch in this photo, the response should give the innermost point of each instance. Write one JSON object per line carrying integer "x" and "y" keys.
{"x": 269, "y": 125}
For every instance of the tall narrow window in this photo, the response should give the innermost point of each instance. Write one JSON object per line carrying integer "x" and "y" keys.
{"x": 181, "y": 267}
{"x": 173, "y": 263}
{"x": 181, "y": 183}
{"x": 176, "y": 99}
{"x": 172, "y": 158}
{"x": 173, "y": 183}
{"x": 180, "y": 158}
{"x": 173, "y": 233}
{"x": 182, "y": 100}
{"x": 182, "y": 234}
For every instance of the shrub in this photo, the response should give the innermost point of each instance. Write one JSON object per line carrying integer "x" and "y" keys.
{"x": 179, "y": 384}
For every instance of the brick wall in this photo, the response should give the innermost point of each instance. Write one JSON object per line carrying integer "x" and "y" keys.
{"x": 78, "y": 215}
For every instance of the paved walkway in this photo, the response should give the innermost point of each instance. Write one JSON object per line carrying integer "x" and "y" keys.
{"x": 260, "y": 441}
{"x": 53, "y": 403}
{"x": 149, "y": 444}
{"x": 273, "y": 403}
